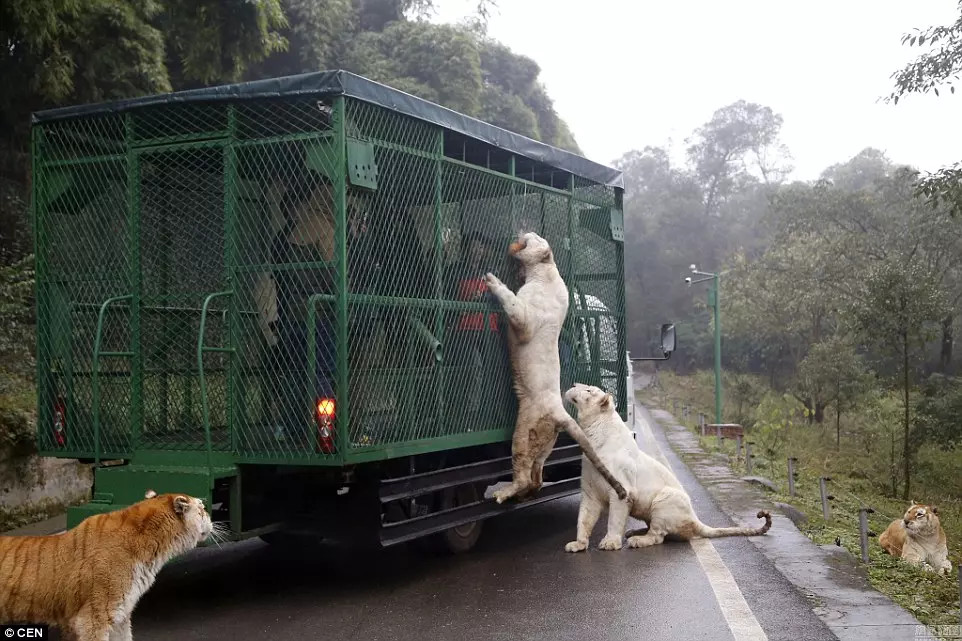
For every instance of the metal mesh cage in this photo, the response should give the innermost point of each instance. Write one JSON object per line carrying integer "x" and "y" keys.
{"x": 297, "y": 279}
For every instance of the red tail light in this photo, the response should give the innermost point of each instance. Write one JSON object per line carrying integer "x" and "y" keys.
{"x": 325, "y": 425}
{"x": 59, "y": 422}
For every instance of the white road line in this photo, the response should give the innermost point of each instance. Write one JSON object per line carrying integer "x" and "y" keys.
{"x": 739, "y": 616}
{"x": 741, "y": 620}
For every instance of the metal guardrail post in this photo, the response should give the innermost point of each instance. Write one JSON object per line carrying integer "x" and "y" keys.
{"x": 738, "y": 447}
{"x": 826, "y": 497}
{"x": 718, "y": 435}
{"x": 791, "y": 475}
{"x": 863, "y": 530}
{"x": 748, "y": 457}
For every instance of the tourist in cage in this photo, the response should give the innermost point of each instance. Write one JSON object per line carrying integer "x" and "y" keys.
{"x": 475, "y": 345}
{"x": 303, "y": 255}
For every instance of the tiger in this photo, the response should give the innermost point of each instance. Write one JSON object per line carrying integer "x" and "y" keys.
{"x": 918, "y": 538}
{"x": 87, "y": 581}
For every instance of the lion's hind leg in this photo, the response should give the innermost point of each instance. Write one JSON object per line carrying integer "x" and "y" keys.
{"x": 522, "y": 460}
{"x": 664, "y": 508}
{"x": 521, "y": 481}
{"x": 653, "y": 537}
{"x": 541, "y": 442}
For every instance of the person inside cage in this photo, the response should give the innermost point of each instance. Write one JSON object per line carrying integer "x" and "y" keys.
{"x": 303, "y": 257}
{"x": 476, "y": 350}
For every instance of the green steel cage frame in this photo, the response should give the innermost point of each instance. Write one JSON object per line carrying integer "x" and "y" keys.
{"x": 158, "y": 282}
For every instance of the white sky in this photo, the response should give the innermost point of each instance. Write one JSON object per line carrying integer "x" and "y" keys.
{"x": 629, "y": 73}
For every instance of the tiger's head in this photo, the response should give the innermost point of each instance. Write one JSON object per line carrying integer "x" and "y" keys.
{"x": 191, "y": 521}
{"x": 921, "y": 521}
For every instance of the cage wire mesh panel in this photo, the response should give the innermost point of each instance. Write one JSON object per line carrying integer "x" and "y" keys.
{"x": 182, "y": 262}
{"x": 338, "y": 248}
{"x": 285, "y": 274}
{"x": 82, "y": 262}
{"x": 597, "y": 286}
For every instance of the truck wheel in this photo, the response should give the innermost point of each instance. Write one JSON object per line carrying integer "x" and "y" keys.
{"x": 463, "y": 538}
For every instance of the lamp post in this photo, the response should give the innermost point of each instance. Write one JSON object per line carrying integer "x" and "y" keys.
{"x": 713, "y": 296}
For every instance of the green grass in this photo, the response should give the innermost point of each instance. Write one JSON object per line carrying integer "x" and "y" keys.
{"x": 854, "y": 470}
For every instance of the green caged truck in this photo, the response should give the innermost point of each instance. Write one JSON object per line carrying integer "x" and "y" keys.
{"x": 268, "y": 295}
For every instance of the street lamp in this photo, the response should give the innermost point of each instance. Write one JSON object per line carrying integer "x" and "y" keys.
{"x": 713, "y": 302}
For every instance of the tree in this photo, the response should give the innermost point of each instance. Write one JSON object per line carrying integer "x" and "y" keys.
{"x": 317, "y": 32}
{"x": 938, "y": 66}
{"x": 740, "y": 137}
{"x": 513, "y": 97}
{"x": 49, "y": 45}
{"x": 897, "y": 308}
{"x": 937, "y": 411}
{"x": 213, "y": 41}
{"x": 867, "y": 213}
{"x": 75, "y": 51}
{"x": 833, "y": 372}
{"x": 665, "y": 231}
{"x": 440, "y": 63}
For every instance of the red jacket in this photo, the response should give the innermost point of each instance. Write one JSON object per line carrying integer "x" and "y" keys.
{"x": 474, "y": 289}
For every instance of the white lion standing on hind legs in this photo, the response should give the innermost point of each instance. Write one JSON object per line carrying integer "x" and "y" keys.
{"x": 535, "y": 316}
{"x": 654, "y": 493}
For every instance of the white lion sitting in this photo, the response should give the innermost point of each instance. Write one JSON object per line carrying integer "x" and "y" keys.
{"x": 654, "y": 493}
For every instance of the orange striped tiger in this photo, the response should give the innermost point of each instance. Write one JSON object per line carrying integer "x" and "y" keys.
{"x": 87, "y": 581}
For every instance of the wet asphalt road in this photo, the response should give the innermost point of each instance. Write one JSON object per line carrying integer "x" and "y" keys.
{"x": 517, "y": 584}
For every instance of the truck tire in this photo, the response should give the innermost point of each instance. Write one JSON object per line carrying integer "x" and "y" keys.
{"x": 463, "y": 538}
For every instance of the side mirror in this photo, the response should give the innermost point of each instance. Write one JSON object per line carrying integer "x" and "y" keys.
{"x": 667, "y": 345}
{"x": 668, "y": 338}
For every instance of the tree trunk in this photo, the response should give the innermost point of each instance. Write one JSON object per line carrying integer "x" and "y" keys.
{"x": 948, "y": 340}
{"x": 838, "y": 428}
{"x": 905, "y": 446}
{"x": 893, "y": 472}
{"x": 838, "y": 414}
{"x": 819, "y": 412}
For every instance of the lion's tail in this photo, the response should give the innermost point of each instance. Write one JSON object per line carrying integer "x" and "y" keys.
{"x": 709, "y": 532}
{"x": 571, "y": 426}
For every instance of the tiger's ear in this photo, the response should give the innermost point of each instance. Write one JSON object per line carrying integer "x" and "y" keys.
{"x": 914, "y": 502}
{"x": 607, "y": 402}
{"x": 181, "y": 503}
{"x": 547, "y": 256}
{"x": 150, "y": 494}
{"x": 935, "y": 510}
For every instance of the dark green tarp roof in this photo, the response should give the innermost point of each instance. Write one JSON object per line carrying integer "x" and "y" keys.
{"x": 354, "y": 86}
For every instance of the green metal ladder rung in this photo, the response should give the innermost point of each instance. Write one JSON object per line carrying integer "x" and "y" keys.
{"x": 202, "y": 380}
{"x": 95, "y": 370}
